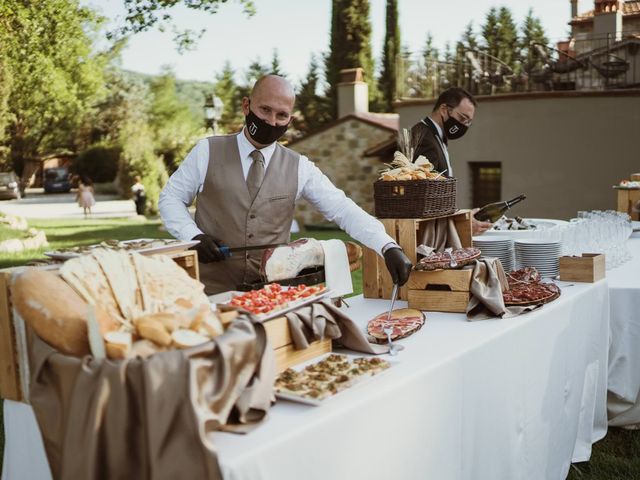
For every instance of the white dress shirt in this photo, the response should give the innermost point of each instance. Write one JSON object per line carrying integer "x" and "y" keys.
{"x": 188, "y": 180}
{"x": 444, "y": 147}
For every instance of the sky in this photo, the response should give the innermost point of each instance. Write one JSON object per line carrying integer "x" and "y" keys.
{"x": 299, "y": 28}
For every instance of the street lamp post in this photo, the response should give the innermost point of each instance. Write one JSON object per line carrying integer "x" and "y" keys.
{"x": 213, "y": 107}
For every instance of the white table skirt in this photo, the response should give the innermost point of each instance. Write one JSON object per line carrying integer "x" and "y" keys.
{"x": 497, "y": 399}
{"x": 624, "y": 353}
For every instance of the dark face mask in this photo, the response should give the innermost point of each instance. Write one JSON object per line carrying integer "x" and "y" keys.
{"x": 453, "y": 129}
{"x": 261, "y": 131}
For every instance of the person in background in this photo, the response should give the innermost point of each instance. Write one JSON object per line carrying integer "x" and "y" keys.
{"x": 247, "y": 185}
{"x": 451, "y": 117}
{"x": 85, "y": 196}
{"x": 139, "y": 195}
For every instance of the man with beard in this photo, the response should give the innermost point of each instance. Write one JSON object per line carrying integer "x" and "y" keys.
{"x": 450, "y": 119}
{"x": 246, "y": 185}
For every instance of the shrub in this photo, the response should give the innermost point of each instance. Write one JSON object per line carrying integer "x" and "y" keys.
{"x": 99, "y": 163}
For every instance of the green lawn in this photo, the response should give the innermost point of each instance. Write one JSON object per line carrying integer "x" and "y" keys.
{"x": 616, "y": 457}
{"x": 6, "y": 233}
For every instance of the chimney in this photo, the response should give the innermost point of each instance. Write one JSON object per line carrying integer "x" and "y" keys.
{"x": 574, "y": 9}
{"x": 353, "y": 92}
{"x": 607, "y": 19}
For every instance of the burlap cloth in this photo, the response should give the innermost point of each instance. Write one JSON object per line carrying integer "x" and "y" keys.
{"x": 488, "y": 281}
{"x": 149, "y": 419}
{"x": 441, "y": 233}
{"x": 321, "y": 320}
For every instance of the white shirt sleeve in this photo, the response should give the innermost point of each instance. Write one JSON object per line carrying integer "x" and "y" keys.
{"x": 317, "y": 189}
{"x": 180, "y": 191}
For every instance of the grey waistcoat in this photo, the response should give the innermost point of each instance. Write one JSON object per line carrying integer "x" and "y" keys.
{"x": 224, "y": 210}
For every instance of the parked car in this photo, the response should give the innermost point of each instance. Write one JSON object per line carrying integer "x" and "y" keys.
{"x": 9, "y": 186}
{"x": 57, "y": 180}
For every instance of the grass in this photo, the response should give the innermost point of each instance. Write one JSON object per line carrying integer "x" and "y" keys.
{"x": 616, "y": 457}
{"x": 6, "y": 233}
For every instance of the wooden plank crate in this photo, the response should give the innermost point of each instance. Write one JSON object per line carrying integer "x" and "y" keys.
{"x": 439, "y": 290}
{"x": 10, "y": 353}
{"x": 407, "y": 232}
{"x": 287, "y": 356}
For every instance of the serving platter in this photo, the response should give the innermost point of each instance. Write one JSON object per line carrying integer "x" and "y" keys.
{"x": 353, "y": 382}
{"x": 129, "y": 245}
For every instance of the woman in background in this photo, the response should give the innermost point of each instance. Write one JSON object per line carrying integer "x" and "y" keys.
{"x": 85, "y": 194}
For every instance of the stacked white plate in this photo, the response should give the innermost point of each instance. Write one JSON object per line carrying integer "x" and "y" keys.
{"x": 498, "y": 247}
{"x": 541, "y": 254}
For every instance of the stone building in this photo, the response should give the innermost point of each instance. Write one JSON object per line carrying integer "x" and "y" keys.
{"x": 340, "y": 149}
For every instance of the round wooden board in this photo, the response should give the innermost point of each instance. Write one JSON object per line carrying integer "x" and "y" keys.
{"x": 399, "y": 313}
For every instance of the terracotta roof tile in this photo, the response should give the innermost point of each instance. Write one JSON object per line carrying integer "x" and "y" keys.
{"x": 386, "y": 120}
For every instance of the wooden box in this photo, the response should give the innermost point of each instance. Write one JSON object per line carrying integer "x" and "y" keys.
{"x": 439, "y": 290}
{"x": 407, "y": 232}
{"x": 12, "y": 346}
{"x": 628, "y": 200}
{"x": 286, "y": 354}
{"x": 589, "y": 268}
{"x": 635, "y": 177}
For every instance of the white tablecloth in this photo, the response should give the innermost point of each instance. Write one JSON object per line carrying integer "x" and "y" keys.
{"x": 624, "y": 353}
{"x": 497, "y": 399}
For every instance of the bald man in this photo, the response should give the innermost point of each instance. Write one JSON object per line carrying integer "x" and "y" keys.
{"x": 247, "y": 184}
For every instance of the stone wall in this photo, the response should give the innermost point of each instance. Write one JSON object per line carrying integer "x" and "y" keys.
{"x": 339, "y": 152}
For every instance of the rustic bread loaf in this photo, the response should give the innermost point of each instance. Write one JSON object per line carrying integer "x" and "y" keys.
{"x": 54, "y": 311}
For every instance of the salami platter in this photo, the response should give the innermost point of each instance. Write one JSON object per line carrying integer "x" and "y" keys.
{"x": 404, "y": 322}
{"x": 442, "y": 260}
{"x": 319, "y": 380}
{"x": 526, "y": 288}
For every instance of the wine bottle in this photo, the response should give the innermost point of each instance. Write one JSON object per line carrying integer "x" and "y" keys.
{"x": 493, "y": 211}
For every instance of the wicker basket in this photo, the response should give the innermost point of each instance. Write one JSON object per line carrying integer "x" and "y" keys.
{"x": 414, "y": 198}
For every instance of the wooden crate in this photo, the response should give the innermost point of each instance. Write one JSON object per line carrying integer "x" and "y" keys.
{"x": 287, "y": 356}
{"x": 628, "y": 199}
{"x": 440, "y": 290}
{"x": 407, "y": 232}
{"x": 12, "y": 345}
{"x": 589, "y": 268}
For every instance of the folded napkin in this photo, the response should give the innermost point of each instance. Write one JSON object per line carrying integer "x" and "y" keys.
{"x": 337, "y": 274}
{"x": 441, "y": 233}
{"x": 488, "y": 281}
{"x": 322, "y": 320}
{"x": 149, "y": 418}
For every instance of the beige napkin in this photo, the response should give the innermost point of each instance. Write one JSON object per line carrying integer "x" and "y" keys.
{"x": 149, "y": 418}
{"x": 336, "y": 268}
{"x": 488, "y": 281}
{"x": 441, "y": 233}
{"x": 324, "y": 320}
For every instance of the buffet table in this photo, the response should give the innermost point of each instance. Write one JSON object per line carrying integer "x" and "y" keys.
{"x": 624, "y": 354}
{"x": 502, "y": 399}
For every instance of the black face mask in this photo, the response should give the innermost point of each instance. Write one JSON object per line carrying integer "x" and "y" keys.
{"x": 453, "y": 128}
{"x": 261, "y": 131}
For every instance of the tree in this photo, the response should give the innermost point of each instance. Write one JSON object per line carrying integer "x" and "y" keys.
{"x": 275, "y": 64}
{"x": 311, "y": 106}
{"x": 507, "y": 41}
{"x": 227, "y": 90}
{"x": 173, "y": 125}
{"x": 350, "y": 47}
{"x": 429, "y": 68}
{"x": 532, "y": 31}
{"x": 390, "y": 56}
{"x": 56, "y": 78}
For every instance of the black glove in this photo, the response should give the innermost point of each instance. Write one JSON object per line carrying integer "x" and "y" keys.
{"x": 398, "y": 264}
{"x": 208, "y": 249}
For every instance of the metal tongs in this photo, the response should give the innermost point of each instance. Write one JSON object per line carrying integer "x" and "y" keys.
{"x": 388, "y": 329}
